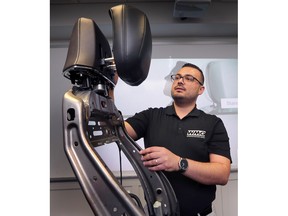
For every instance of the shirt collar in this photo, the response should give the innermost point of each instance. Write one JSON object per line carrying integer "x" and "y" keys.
{"x": 170, "y": 110}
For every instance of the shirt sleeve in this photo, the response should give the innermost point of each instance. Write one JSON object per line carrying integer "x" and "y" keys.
{"x": 219, "y": 142}
{"x": 139, "y": 122}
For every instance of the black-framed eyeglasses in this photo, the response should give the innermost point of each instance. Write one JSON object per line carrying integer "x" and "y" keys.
{"x": 187, "y": 77}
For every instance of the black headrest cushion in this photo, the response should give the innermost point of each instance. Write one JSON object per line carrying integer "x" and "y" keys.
{"x": 87, "y": 45}
{"x": 132, "y": 43}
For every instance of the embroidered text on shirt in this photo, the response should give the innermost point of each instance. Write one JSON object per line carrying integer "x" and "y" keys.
{"x": 196, "y": 133}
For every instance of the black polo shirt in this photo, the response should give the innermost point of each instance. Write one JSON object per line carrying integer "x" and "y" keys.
{"x": 193, "y": 137}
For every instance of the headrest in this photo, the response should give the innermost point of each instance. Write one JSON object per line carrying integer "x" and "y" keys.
{"x": 132, "y": 43}
{"x": 132, "y": 47}
{"x": 87, "y": 47}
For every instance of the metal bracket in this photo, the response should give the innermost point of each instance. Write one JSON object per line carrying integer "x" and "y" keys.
{"x": 91, "y": 120}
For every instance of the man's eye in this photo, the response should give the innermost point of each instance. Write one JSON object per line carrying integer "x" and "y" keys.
{"x": 189, "y": 78}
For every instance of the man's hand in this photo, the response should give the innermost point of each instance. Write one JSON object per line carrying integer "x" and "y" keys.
{"x": 159, "y": 158}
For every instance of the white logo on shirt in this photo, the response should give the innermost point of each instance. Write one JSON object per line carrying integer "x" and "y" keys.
{"x": 196, "y": 133}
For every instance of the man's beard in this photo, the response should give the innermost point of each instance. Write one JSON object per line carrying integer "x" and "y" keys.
{"x": 178, "y": 98}
{"x": 182, "y": 99}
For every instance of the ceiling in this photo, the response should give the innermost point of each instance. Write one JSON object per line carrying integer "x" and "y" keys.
{"x": 219, "y": 20}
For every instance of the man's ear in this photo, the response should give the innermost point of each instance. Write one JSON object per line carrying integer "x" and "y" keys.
{"x": 201, "y": 90}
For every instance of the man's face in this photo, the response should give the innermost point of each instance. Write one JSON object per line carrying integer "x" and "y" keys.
{"x": 186, "y": 85}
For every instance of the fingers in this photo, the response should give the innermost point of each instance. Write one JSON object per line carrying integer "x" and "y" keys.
{"x": 151, "y": 159}
{"x": 150, "y": 150}
{"x": 152, "y": 156}
{"x": 152, "y": 163}
{"x": 158, "y": 158}
{"x": 157, "y": 162}
{"x": 149, "y": 156}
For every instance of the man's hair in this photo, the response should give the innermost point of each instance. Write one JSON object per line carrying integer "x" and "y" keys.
{"x": 196, "y": 67}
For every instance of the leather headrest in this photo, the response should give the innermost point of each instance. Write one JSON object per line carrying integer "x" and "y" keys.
{"x": 132, "y": 43}
{"x": 87, "y": 46}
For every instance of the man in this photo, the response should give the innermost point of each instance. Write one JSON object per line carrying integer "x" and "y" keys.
{"x": 188, "y": 145}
